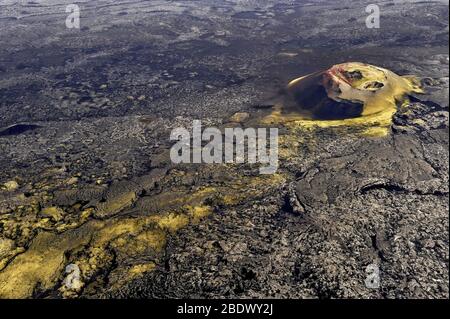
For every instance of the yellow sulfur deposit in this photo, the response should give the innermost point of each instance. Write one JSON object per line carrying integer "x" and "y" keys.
{"x": 10, "y": 186}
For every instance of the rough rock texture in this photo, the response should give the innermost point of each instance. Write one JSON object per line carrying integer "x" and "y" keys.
{"x": 85, "y": 120}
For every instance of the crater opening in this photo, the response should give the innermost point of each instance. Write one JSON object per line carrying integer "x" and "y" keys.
{"x": 347, "y": 94}
{"x": 312, "y": 101}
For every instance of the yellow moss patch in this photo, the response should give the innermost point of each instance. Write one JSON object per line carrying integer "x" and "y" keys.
{"x": 149, "y": 239}
{"x": 8, "y": 250}
{"x": 115, "y": 228}
{"x": 173, "y": 200}
{"x": 296, "y": 121}
{"x": 55, "y": 213}
{"x": 115, "y": 205}
{"x": 230, "y": 200}
{"x": 198, "y": 212}
{"x": 139, "y": 270}
{"x": 239, "y": 117}
{"x": 172, "y": 221}
{"x": 72, "y": 181}
{"x": 154, "y": 239}
{"x": 243, "y": 189}
{"x": 288, "y": 146}
{"x": 42, "y": 263}
{"x": 376, "y": 132}
{"x": 94, "y": 244}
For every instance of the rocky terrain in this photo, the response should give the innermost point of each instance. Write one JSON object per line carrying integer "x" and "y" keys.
{"x": 86, "y": 180}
